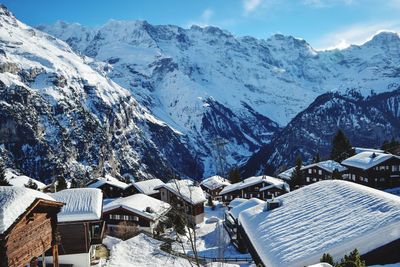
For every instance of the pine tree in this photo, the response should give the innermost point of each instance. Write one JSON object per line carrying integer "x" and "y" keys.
{"x": 341, "y": 147}
{"x": 336, "y": 175}
{"x": 353, "y": 259}
{"x": 31, "y": 184}
{"x": 317, "y": 158}
{"x": 297, "y": 178}
{"x": 3, "y": 179}
{"x": 61, "y": 183}
{"x": 390, "y": 146}
{"x": 74, "y": 183}
{"x": 234, "y": 175}
{"x": 327, "y": 258}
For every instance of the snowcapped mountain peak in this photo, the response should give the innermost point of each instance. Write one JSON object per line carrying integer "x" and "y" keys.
{"x": 384, "y": 39}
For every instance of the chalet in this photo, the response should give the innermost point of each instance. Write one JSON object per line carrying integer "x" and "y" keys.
{"x": 185, "y": 196}
{"x": 17, "y": 179}
{"x": 28, "y": 226}
{"x": 237, "y": 201}
{"x": 321, "y": 171}
{"x": 231, "y": 222}
{"x": 110, "y": 186}
{"x": 141, "y": 211}
{"x": 262, "y": 187}
{"x": 80, "y": 225}
{"x": 378, "y": 170}
{"x": 145, "y": 187}
{"x": 213, "y": 185}
{"x": 287, "y": 175}
{"x": 336, "y": 217}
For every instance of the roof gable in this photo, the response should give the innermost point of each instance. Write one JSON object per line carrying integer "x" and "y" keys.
{"x": 367, "y": 160}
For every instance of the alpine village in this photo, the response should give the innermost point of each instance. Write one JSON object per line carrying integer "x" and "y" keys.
{"x": 136, "y": 144}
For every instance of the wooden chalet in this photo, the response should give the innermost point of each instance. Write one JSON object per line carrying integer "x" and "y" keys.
{"x": 321, "y": 171}
{"x": 213, "y": 185}
{"x": 110, "y": 186}
{"x": 80, "y": 225}
{"x": 261, "y": 187}
{"x": 28, "y": 227}
{"x": 145, "y": 187}
{"x": 231, "y": 223}
{"x": 139, "y": 211}
{"x": 378, "y": 170}
{"x": 276, "y": 237}
{"x": 183, "y": 195}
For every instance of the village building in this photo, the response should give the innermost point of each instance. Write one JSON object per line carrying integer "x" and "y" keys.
{"x": 28, "y": 226}
{"x": 237, "y": 201}
{"x": 184, "y": 196}
{"x": 139, "y": 211}
{"x": 213, "y": 185}
{"x": 17, "y": 179}
{"x": 231, "y": 222}
{"x": 262, "y": 187}
{"x": 336, "y": 217}
{"x": 145, "y": 187}
{"x": 110, "y": 186}
{"x": 80, "y": 225}
{"x": 322, "y": 171}
{"x": 378, "y": 170}
{"x": 287, "y": 175}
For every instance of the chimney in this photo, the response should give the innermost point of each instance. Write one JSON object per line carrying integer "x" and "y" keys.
{"x": 272, "y": 204}
{"x": 373, "y": 155}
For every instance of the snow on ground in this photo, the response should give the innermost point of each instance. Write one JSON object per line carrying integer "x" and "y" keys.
{"x": 141, "y": 251}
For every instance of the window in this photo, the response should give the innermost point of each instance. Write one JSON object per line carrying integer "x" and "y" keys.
{"x": 245, "y": 195}
{"x": 135, "y": 218}
{"x": 309, "y": 171}
{"x": 251, "y": 195}
{"x": 308, "y": 179}
{"x": 319, "y": 172}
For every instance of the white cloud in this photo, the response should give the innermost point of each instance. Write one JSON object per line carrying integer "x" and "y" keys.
{"x": 356, "y": 34}
{"x": 250, "y": 5}
{"x": 203, "y": 20}
{"x": 327, "y": 3}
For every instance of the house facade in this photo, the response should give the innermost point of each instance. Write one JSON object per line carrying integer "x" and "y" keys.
{"x": 110, "y": 186}
{"x": 213, "y": 185}
{"x": 28, "y": 226}
{"x": 377, "y": 170}
{"x": 139, "y": 211}
{"x": 261, "y": 187}
{"x": 322, "y": 171}
{"x": 184, "y": 196}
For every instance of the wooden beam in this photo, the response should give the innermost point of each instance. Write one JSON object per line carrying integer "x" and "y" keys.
{"x": 55, "y": 255}
{"x": 43, "y": 259}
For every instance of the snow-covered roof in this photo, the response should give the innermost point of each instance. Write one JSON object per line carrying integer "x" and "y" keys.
{"x": 81, "y": 204}
{"x": 14, "y": 201}
{"x": 366, "y": 160}
{"x": 358, "y": 150}
{"x": 215, "y": 182}
{"x": 186, "y": 190}
{"x": 108, "y": 179}
{"x": 21, "y": 180}
{"x": 327, "y": 165}
{"x": 252, "y": 181}
{"x": 287, "y": 175}
{"x": 236, "y": 202}
{"x": 331, "y": 216}
{"x": 147, "y": 186}
{"x": 140, "y": 204}
{"x": 249, "y": 203}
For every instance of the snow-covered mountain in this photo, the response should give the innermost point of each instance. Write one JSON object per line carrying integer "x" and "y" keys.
{"x": 183, "y": 75}
{"x": 59, "y": 115}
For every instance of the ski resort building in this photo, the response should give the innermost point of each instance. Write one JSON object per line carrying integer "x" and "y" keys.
{"x": 110, "y": 186}
{"x": 378, "y": 170}
{"x": 331, "y": 216}
{"x": 262, "y": 187}
{"x": 80, "y": 225}
{"x": 213, "y": 185}
{"x": 321, "y": 171}
{"x": 231, "y": 222}
{"x": 185, "y": 196}
{"x": 28, "y": 226}
{"x": 139, "y": 211}
{"x": 145, "y": 187}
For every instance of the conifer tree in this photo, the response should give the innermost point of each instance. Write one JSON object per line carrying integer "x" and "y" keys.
{"x": 297, "y": 178}
{"x": 61, "y": 183}
{"x": 234, "y": 175}
{"x": 317, "y": 158}
{"x": 390, "y": 146}
{"x": 327, "y": 258}
{"x": 3, "y": 179}
{"x": 31, "y": 184}
{"x": 74, "y": 183}
{"x": 341, "y": 147}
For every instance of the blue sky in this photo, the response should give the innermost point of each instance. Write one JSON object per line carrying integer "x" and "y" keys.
{"x": 323, "y": 23}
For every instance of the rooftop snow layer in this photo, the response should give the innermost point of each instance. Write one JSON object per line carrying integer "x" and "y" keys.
{"x": 215, "y": 182}
{"x": 244, "y": 206}
{"x": 81, "y": 204}
{"x": 252, "y": 181}
{"x": 108, "y": 179}
{"x": 236, "y": 202}
{"x": 287, "y": 175}
{"x": 328, "y": 165}
{"x": 330, "y": 216}
{"x": 359, "y": 150}
{"x": 139, "y": 203}
{"x": 14, "y": 201}
{"x": 366, "y": 160}
{"x": 21, "y": 180}
{"x": 185, "y": 189}
{"x": 147, "y": 186}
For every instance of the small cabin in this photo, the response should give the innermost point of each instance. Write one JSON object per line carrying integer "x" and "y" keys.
{"x": 183, "y": 195}
{"x": 28, "y": 226}
{"x": 80, "y": 225}
{"x": 110, "y": 186}
{"x": 138, "y": 212}
{"x": 213, "y": 185}
{"x": 145, "y": 187}
{"x": 323, "y": 170}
